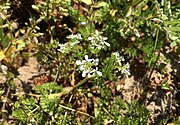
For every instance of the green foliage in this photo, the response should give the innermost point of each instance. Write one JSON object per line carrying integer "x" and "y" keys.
{"x": 45, "y": 110}
{"x": 120, "y": 112}
{"x": 83, "y": 44}
{"x": 38, "y": 111}
{"x": 48, "y": 88}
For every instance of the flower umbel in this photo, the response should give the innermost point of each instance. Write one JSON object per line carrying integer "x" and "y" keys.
{"x": 98, "y": 41}
{"x": 66, "y": 47}
{"x": 119, "y": 58}
{"x": 123, "y": 68}
{"x": 86, "y": 66}
{"x": 77, "y": 36}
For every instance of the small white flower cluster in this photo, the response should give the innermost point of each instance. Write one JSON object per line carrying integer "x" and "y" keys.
{"x": 125, "y": 69}
{"x": 86, "y": 67}
{"x": 98, "y": 41}
{"x": 119, "y": 58}
{"x": 64, "y": 48}
{"x": 77, "y": 36}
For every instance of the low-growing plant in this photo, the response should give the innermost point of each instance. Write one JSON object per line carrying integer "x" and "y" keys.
{"x": 83, "y": 44}
{"x": 46, "y": 108}
{"x": 120, "y": 112}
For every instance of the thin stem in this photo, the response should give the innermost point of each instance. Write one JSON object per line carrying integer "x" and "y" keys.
{"x": 81, "y": 82}
{"x": 155, "y": 45}
{"x": 65, "y": 91}
{"x": 76, "y": 111}
{"x": 157, "y": 36}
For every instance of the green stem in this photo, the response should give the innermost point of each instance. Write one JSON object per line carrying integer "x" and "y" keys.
{"x": 155, "y": 45}
{"x": 81, "y": 82}
{"x": 157, "y": 36}
{"x": 65, "y": 91}
{"x": 70, "y": 109}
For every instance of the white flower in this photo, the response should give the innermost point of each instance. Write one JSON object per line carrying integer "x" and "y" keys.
{"x": 78, "y": 62}
{"x": 99, "y": 73}
{"x": 62, "y": 47}
{"x": 96, "y": 32}
{"x": 119, "y": 58}
{"x": 84, "y": 23}
{"x": 106, "y": 43}
{"x": 96, "y": 61}
{"x": 98, "y": 41}
{"x": 125, "y": 70}
{"x": 86, "y": 57}
{"x": 86, "y": 67}
{"x": 76, "y": 36}
{"x": 85, "y": 72}
{"x": 93, "y": 72}
{"x": 65, "y": 48}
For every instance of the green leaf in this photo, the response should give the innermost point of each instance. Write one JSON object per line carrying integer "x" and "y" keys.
{"x": 165, "y": 86}
{"x": 129, "y": 12}
{"x": 101, "y": 4}
{"x": 90, "y": 95}
{"x": 172, "y": 22}
{"x": 135, "y": 2}
{"x": 10, "y": 75}
{"x": 175, "y": 29}
{"x": 138, "y": 12}
{"x": 21, "y": 46}
{"x": 113, "y": 12}
{"x": 173, "y": 44}
{"x": 88, "y": 2}
{"x": 173, "y": 37}
{"x": 162, "y": 2}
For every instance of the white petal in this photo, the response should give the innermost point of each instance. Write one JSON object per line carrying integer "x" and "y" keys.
{"x": 96, "y": 61}
{"x": 107, "y": 44}
{"x": 122, "y": 58}
{"x": 99, "y": 73}
{"x": 89, "y": 75}
{"x": 84, "y": 23}
{"x": 82, "y": 67}
{"x": 71, "y": 36}
{"x": 84, "y": 61}
{"x": 78, "y": 62}
{"x": 90, "y": 38}
{"x": 105, "y": 38}
{"x": 86, "y": 57}
{"x": 84, "y": 74}
{"x": 96, "y": 31}
{"x": 100, "y": 47}
{"x": 79, "y": 36}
